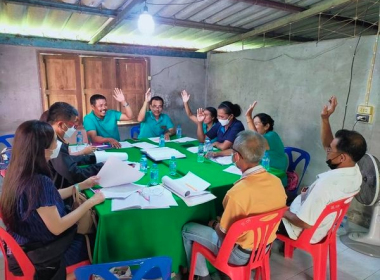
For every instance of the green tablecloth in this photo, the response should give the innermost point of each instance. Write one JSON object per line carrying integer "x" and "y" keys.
{"x": 137, "y": 233}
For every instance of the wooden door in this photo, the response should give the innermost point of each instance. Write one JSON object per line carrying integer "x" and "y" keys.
{"x": 99, "y": 78}
{"x": 61, "y": 81}
{"x": 132, "y": 78}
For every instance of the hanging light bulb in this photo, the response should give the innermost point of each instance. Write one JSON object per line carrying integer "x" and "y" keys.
{"x": 146, "y": 22}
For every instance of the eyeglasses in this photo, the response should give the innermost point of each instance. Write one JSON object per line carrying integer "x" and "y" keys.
{"x": 329, "y": 150}
{"x": 235, "y": 151}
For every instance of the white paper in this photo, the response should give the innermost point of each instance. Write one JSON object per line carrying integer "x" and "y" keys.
{"x": 157, "y": 140}
{"x": 102, "y": 156}
{"x": 163, "y": 153}
{"x": 193, "y": 150}
{"x": 116, "y": 172}
{"x": 144, "y": 145}
{"x": 136, "y": 200}
{"x": 184, "y": 140}
{"x": 196, "y": 200}
{"x": 126, "y": 145}
{"x": 120, "y": 191}
{"x": 189, "y": 185}
{"x": 77, "y": 148}
{"x": 225, "y": 160}
{"x": 233, "y": 169}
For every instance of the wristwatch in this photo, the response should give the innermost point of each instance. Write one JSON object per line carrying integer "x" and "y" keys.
{"x": 126, "y": 104}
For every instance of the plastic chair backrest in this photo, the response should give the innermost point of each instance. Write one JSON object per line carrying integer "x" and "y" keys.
{"x": 3, "y": 139}
{"x": 25, "y": 264}
{"x": 339, "y": 207}
{"x": 303, "y": 155}
{"x": 135, "y": 130}
{"x": 262, "y": 226}
{"x": 150, "y": 268}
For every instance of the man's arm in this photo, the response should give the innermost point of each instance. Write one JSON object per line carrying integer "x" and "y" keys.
{"x": 292, "y": 218}
{"x": 99, "y": 139}
{"x": 126, "y": 110}
{"x": 327, "y": 111}
{"x": 148, "y": 96}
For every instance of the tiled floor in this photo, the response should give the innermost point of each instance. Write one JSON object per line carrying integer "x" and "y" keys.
{"x": 351, "y": 265}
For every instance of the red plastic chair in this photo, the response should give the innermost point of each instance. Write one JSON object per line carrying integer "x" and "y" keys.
{"x": 328, "y": 244}
{"x": 262, "y": 225}
{"x": 26, "y": 265}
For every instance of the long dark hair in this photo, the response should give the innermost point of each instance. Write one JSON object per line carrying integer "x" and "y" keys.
{"x": 230, "y": 108}
{"x": 214, "y": 114}
{"x": 27, "y": 161}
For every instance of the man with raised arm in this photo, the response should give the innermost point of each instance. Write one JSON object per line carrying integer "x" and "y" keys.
{"x": 101, "y": 123}
{"x": 343, "y": 180}
{"x": 153, "y": 123}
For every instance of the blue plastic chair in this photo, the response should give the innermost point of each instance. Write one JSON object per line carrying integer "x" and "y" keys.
{"x": 135, "y": 130}
{"x": 3, "y": 139}
{"x": 302, "y": 155}
{"x": 150, "y": 268}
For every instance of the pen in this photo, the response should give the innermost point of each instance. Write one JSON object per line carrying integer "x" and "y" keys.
{"x": 146, "y": 197}
{"x": 191, "y": 187}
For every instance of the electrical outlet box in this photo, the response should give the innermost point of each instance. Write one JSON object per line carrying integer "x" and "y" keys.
{"x": 363, "y": 118}
{"x": 366, "y": 110}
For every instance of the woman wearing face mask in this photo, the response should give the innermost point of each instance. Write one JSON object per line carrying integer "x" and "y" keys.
{"x": 65, "y": 167}
{"x": 263, "y": 124}
{"x": 225, "y": 131}
{"x": 33, "y": 210}
{"x": 209, "y": 112}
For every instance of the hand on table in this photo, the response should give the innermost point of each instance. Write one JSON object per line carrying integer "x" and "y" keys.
{"x": 114, "y": 143}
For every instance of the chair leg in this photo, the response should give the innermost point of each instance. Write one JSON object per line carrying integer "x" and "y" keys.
{"x": 319, "y": 264}
{"x": 333, "y": 260}
{"x": 288, "y": 250}
{"x": 266, "y": 267}
{"x": 192, "y": 266}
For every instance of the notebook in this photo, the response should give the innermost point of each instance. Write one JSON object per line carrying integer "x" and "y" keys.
{"x": 163, "y": 153}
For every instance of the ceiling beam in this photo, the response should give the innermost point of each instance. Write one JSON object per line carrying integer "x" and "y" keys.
{"x": 296, "y": 9}
{"x": 277, "y": 24}
{"x": 160, "y": 20}
{"x": 115, "y": 21}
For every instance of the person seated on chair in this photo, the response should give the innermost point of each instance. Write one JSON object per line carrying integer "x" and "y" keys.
{"x": 256, "y": 192}
{"x": 33, "y": 210}
{"x": 154, "y": 123}
{"x": 101, "y": 123}
{"x": 210, "y": 114}
{"x": 65, "y": 167}
{"x": 225, "y": 131}
{"x": 342, "y": 181}
{"x": 263, "y": 124}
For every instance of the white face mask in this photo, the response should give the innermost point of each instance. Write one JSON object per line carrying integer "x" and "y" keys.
{"x": 70, "y": 131}
{"x": 224, "y": 122}
{"x": 56, "y": 150}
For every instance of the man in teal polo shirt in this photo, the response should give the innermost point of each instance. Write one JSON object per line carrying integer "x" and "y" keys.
{"x": 101, "y": 123}
{"x": 154, "y": 122}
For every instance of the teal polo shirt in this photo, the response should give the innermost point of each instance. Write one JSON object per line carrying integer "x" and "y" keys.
{"x": 106, "y": 127}
{"x": 150, "y": 127}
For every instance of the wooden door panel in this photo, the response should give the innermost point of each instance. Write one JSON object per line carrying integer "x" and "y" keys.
{"x": 99, "y": 78}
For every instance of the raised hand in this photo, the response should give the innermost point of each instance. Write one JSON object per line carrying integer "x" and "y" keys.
{"x": 118, "y": 95}
{"x": 200, "y": 115}
{"x": 148, "y": 95}
{"x": 250, "y": 109}
{"x": 329, "y": 109}
{"x": 89, "y": 183}
{"x": 185, "y": 96}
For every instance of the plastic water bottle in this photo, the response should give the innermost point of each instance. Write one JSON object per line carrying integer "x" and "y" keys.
{"x": 154, "y": 175}
{"x": 162, "y": 141}
{"x": 173, "y": 166}
{"x": 143, "y": 164}
{"x": 79, "y": 138}
{"x": 201, "y": 153}
{"x": 208, "y": 146}
{"x": 265, "y": 161}
{"x": 179, "y": 131}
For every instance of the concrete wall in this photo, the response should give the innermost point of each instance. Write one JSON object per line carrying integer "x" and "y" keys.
{"x": 292, "y": 83}
{"x": 21, "y": 97}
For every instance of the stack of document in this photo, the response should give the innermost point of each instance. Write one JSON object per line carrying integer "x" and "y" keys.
{"x": 184, "y": 140}
{"x": 102, "y": 156}
{"x": 144, "y": 145}
{"x": 190, "y": 188}
{"x": 225, "y": 160}
{"x": 163, "y": 153}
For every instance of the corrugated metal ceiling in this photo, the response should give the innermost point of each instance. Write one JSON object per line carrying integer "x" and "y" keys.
{"x": 187, "y": 24}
